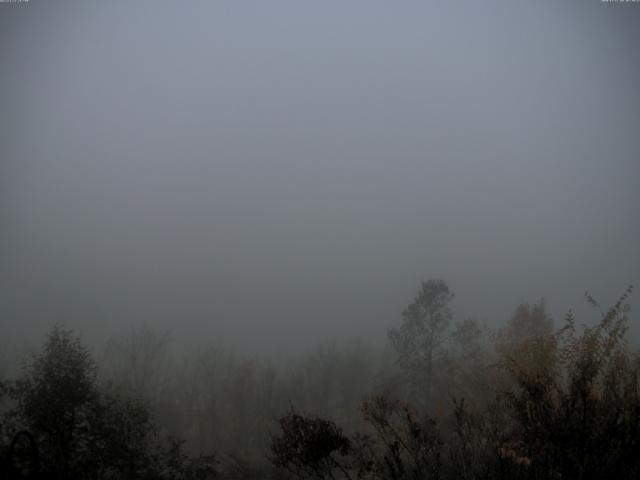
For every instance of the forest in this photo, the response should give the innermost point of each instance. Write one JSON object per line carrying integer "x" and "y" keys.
{"x": 447, "y": 398}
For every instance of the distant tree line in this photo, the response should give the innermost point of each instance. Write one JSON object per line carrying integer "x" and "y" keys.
{"x": 446, "y": 399}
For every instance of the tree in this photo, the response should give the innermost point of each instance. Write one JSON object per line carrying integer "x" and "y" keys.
{"x": 421, "y": 333}
{"x": 576, "y": 411}
{"x": 526, "y": 323}
{"x": 140, "y": 363}
{"x": 85, "y": 431}
{"x": 56, "y": 399}
{"x": 469, "y": 362}
{"x": 527, "y": 340}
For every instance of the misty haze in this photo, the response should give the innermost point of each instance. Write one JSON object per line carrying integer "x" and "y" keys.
{"x": 300, "y": 240}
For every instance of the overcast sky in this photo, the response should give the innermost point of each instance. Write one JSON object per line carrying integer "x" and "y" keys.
{"x": 281, "y": 173}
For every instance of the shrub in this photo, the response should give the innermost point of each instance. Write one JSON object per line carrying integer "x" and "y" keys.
{"x": 310, "y": 447}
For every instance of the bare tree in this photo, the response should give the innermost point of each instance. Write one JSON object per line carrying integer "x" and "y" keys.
{"x": 424, "y": 323}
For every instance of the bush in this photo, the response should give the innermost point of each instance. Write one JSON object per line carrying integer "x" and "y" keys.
{"x": 310, "y": 447}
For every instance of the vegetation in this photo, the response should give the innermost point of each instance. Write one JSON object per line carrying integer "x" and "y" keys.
{"x": 420, "y": 337}
{"x": 449, "y": 400}
{"x": 569, "y": 409}
{"x": 84, "y": 430}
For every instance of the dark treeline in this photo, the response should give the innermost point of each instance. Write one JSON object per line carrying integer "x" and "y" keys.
{"x": 446, "y": 399}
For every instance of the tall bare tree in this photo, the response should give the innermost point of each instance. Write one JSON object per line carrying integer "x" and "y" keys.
{"x": 422, "y": 333}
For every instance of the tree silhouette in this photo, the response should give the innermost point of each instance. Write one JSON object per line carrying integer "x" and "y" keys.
{"x": 421, "y": 333}
{"x": 85, "y": 431}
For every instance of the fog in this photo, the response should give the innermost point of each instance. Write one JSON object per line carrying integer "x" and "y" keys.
{"x": 277, "y": 175}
